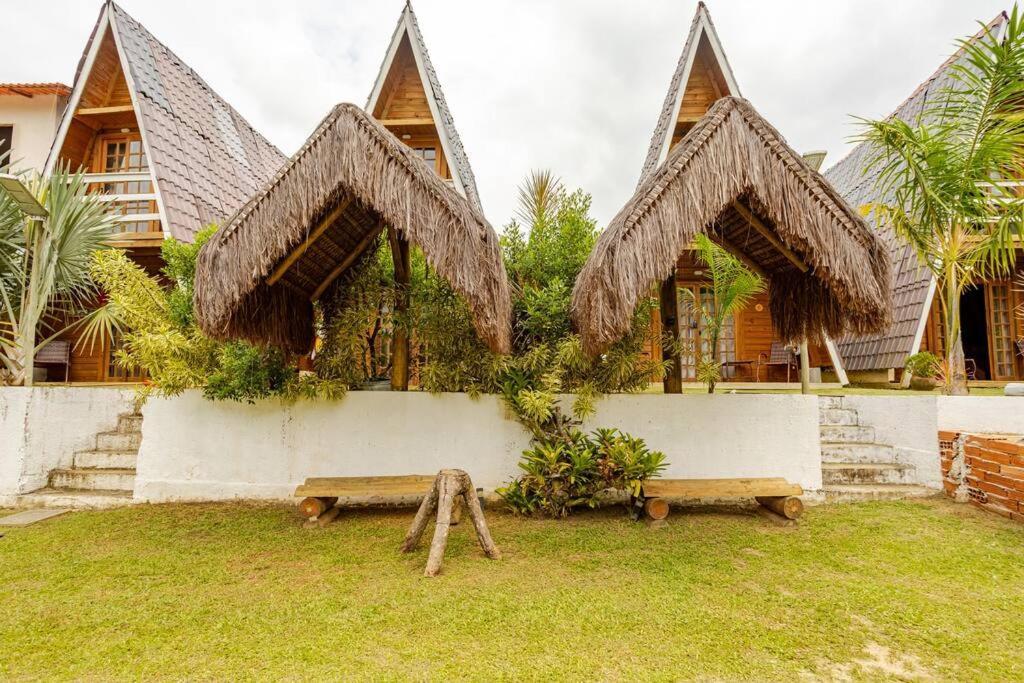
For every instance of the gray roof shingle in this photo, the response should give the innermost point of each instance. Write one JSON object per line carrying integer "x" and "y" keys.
{"x": 206, "y": 158}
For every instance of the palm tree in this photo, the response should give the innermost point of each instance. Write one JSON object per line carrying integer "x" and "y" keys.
{"x": 733, "y": 285}
{"x": 44, "y": 270}
{"x": 943, "y": 177}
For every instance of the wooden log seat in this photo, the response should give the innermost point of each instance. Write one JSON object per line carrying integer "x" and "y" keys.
{"x": 773, "y": 493}
{"x": 319, "y": 495}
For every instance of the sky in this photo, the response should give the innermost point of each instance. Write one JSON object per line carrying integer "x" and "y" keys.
{"x": 574, "y": 86}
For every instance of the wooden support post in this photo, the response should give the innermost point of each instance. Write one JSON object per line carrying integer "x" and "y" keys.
{"x": 669, "y": 297}
{"x": 805, "y": 368}
{"x": 400, "y": 347}
{"x": 450, "y": 485}
{"x": 789, "y": 507}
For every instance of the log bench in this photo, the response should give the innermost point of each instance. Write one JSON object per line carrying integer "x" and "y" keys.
{"x": 773, "y": 493}
{"x": 320, "y": 494}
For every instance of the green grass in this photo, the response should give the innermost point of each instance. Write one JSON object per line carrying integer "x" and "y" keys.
{"x": 223, "y": 592}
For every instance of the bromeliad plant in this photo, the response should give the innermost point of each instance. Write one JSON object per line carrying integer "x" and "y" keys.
{"x": 563, "y": 474}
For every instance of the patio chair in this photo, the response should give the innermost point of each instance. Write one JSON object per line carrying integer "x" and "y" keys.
{"x": 780, "y": 356}
{"x": 56, "y": 353}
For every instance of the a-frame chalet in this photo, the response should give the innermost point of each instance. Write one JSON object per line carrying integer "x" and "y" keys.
{"x": 749, "y": 348}
{"x": 168, "y": 154}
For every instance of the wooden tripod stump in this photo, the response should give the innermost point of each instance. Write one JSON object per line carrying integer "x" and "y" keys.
{"x": 449, "y": 486}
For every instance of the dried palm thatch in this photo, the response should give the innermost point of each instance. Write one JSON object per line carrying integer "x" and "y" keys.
{"x": 258, "y": 276}
{"x": 734, "y": 163}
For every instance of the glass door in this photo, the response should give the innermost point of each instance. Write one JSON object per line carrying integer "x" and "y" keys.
{"x": 1002, "y": 346}
{"x": 695, "y": 336}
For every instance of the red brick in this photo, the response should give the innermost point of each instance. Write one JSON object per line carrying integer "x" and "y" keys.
{"x": 1007, "y": 447}
{"x": 1016, "y": 495}
{"x": 988, "y": 455}
{"x": 1009, "y": 482}
{"x": 976, "y": 463}
{"x": 1003, "y": 502}
{"x": 1011, "y": 471}
{"x": 992, "y": 489}
{"x": 948, "y": 436}
{"x": 996, "y": 509}
{"x": 1017, "y": 460}
{"x": 1017, "y": 516}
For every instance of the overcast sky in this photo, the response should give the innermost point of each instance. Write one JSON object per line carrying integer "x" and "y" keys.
{"x": 575, "y": 86}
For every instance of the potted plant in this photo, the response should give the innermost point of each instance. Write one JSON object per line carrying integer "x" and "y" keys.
{"x": 924, "y": 369}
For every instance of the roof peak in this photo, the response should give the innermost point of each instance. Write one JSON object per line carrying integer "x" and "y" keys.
{"x": 700, "y": 27}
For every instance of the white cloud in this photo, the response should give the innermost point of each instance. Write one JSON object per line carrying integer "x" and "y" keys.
{"x": 575, "y": 85}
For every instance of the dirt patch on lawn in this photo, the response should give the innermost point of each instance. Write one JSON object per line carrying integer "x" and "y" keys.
{"x": 877, "y": 663}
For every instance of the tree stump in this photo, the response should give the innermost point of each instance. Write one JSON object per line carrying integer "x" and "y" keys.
{"x": 449, "y": 486}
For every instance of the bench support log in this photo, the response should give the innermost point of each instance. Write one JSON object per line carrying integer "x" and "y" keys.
{"x": 449, "y": 486}
{"x": 789, "y": 507}
{"x": 312, "y": 507}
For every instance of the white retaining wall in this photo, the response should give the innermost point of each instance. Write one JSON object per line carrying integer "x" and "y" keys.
{"x": 982, "y": 414}
{"x": 42, "y": 427}
{"x": 193, "y": 449}
{"x": 910, "y": 425}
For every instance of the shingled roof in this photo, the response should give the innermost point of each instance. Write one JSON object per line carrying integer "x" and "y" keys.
{"x": 465, "y": 181}
{"x": 660, "y": 141}
{"x": 913, "y": 286}
{"x": 207, "y": 160}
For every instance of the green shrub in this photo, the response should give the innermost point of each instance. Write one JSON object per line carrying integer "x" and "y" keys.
{"x": 562, "y": 474}
{"x": 924, "y": 364}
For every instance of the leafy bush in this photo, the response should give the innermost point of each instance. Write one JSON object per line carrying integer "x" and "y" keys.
{"x": 924, "y": 364}
{"x": 161, "y": 335}
{"x": 560, "y": 475}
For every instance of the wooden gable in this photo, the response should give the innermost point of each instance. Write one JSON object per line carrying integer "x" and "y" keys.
{"x": 706, "y": 85}
{"x": 105, "y": 105}
{"x": 403, "y": 106}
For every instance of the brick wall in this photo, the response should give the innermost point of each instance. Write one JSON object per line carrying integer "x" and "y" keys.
{"x": 986, "y": 470}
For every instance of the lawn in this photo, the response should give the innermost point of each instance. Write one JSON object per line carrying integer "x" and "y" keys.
{"x": 857, "y": 592}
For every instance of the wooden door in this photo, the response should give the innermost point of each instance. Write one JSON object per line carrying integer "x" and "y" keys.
{"x": 1002, "y": 347}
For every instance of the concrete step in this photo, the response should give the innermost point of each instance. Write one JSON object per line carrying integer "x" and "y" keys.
{"x": 93, "y": 479}
{"x": 79, "y": 500}
{"x": 866, "y": 473}
{"x": 106, "y": 460}
{"x": 837, "y": 416}
{"x": 118, "y": 441}
{"x": 847, "y": 434}
{"x": 129, "y": 423}
{"x": 857, "y": 452}
{"x": 853, "y": 492}
{"x": 825, "y": 402}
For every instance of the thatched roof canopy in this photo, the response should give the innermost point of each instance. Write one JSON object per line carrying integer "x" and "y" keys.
{"x": 258, "y": 277}
{"x": 734, "y": 177}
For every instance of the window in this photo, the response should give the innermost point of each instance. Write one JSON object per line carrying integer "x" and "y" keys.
{"x": 6, "y": 135}
{"x": 428, "y": 154}
{"x": 125, "y": 154}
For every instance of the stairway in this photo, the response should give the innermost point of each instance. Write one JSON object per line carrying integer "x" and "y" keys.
{"x": 100, "y": 477}
{"x": 854, "y": 466}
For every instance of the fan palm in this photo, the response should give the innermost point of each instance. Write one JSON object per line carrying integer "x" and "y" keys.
{"x": 947, "y": 176}
{"x": 44, "y": 271}
{"x": 733, "y": 285}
